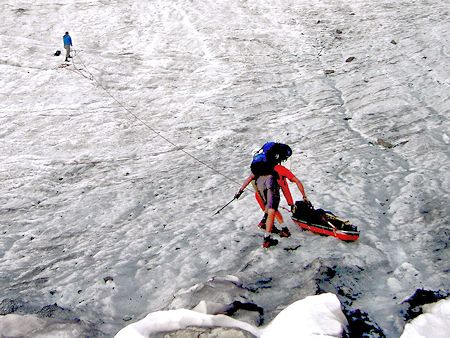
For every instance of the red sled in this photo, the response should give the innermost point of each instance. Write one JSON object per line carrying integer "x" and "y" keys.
{"x": 323, "y": 222}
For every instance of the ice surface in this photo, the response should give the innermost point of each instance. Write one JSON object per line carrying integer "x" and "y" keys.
{"x": 113, "y": 165}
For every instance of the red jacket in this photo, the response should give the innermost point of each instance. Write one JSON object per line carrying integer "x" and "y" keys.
{"x": 283, "y": 174}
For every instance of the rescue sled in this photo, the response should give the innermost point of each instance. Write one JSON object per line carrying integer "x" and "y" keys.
{"x": 323, "y": 222}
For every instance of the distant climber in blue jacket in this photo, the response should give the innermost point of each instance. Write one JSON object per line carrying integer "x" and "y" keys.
{"x": 67, "y": 43}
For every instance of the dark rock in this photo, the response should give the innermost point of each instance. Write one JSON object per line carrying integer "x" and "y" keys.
{"x": 108, "y": 279}
{"x": 350, "y": 59}
{"x": 412, "y": 307}
{"x": 294, "y": 248}
{"x": 328, "y": 71}
{"x": 237, "y": 305}
{"x": 263, "y": 283}
{"x": 360, "y": 325}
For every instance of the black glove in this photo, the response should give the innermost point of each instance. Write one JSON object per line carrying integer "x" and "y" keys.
{"x": 238, "y": 194}
{"x": 308, "y": 203}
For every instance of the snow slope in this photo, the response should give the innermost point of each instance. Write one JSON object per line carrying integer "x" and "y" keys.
{"x": 113, "y": 166}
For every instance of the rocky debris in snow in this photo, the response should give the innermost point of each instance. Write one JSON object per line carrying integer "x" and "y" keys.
{"x": 55, "y": 311}
{"x": 338, "y": 279}
{"x": 341, "y": 279}
{"x": 51, "y": 318}
{"x": 231, "y": 297}
{"x": 384, "y": 143}
{"x": 8, "y": 306}
{"x": 20, "y": 10}
{"x": 127, "y": 318}
{"x": 350, "y": 59}
{"x": 195, "y": 332}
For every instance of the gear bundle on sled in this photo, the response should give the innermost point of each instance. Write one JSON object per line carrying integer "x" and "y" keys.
{"x": 323, "y": 222}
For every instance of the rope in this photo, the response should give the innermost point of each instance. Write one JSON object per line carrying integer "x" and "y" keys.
{"x": 93, "y": 78}
{"x": 77, "y": 70}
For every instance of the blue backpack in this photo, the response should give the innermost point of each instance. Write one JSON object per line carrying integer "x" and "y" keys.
{"x": 270, "y": 154}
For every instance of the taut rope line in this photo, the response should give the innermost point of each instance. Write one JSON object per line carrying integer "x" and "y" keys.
{"x": 92, "y": 77}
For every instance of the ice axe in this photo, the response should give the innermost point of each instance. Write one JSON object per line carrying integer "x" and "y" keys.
{"x": 218, "y": 211}
{"x": 234, "y": 198}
